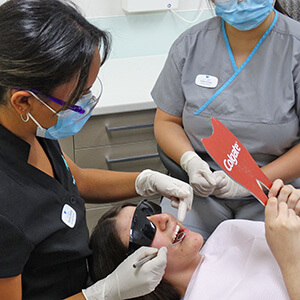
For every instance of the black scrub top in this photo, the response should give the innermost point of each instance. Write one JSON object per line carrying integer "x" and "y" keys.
{"x": 43, "y": 231}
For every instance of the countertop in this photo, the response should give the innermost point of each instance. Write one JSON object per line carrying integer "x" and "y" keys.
{"x": 127, "y": 84}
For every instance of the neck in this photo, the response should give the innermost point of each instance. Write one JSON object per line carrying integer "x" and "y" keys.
{"x": 10, "y": 119}
{"x": 238, "y": 38}
{"x": 180, "y": 278}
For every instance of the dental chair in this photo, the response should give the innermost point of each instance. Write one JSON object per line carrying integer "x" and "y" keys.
{"x": 173, "y": 168}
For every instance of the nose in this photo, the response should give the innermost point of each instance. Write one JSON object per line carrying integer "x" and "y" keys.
{"x": 160, "y": 221}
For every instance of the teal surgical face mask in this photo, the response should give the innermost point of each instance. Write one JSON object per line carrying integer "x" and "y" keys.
{"x": 244, "y": 15}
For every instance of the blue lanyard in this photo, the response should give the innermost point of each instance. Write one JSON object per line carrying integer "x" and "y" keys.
{"x": 236, "y": 69}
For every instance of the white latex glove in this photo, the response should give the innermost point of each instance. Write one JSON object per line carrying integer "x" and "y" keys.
{"x": 150, "y": 182}
{"x": 228, "y": 188}
{"x": 127, "y": 282}
{"x": 201, "y": 177}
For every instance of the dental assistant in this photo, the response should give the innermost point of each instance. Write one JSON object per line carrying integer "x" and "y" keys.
{"x": 242, "y": 67}
{"x": 50, "y": 57}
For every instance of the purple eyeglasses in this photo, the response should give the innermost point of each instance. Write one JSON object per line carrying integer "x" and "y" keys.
{"x": 94, "y": 99}
{"x": 73, "y": 107}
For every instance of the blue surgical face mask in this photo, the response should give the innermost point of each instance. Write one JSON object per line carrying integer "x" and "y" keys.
{"x": 68, "y": 122}
{"x": 244, "y": 15}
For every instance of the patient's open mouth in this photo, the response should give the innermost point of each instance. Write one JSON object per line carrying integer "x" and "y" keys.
{"x": 178, "y": 234}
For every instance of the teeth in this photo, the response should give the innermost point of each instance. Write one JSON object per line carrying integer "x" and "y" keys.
{"x": 175, "y": 233}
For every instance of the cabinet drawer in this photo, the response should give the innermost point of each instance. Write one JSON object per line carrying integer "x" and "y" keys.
{"x": 116, "y": 129}
{"x": 130, "y": 157}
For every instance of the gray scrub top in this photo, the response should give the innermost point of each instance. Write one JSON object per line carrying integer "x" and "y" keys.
{"x": 261, "y": 106}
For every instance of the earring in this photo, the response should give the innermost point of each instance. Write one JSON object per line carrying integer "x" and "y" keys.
{"x": 25, "y": 120}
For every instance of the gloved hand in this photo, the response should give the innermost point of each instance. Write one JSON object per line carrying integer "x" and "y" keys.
{"x": 127, "y": 282}
{"x": 150, "y": 182}
{"x": 228, "y": 188}
{"x": 201, "y": 177}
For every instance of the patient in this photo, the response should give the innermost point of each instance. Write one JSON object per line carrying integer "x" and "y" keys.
{"x": 235, "y": 262}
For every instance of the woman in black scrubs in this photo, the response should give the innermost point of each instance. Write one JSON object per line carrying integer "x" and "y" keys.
{"x": 49, "y": 59}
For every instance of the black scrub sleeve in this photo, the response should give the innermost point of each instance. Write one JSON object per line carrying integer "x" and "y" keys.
{"x": 15, "y": 249}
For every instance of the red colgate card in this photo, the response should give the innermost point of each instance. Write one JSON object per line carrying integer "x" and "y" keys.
{"x": 230, "y": 154}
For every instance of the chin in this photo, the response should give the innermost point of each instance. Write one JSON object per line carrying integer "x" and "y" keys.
{"x": 196, "y": 240}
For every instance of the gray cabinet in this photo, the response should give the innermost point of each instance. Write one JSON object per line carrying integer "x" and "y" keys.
{"x": 119, "y": 142}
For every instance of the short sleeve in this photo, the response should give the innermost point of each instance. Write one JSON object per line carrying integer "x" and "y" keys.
{"x": 297, "y": 80}
{"x": 168, "y": 92}
{"x": 15, "y": 249}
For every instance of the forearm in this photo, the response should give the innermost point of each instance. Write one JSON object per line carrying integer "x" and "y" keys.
{"x": 282, "y": 228}
{"x": 78, "y": 296}
{"x": 286, "y": 167}
{"x": 291, "y": 278}
{"x": 171, "y": 136}
{"x": 100, "y": 186}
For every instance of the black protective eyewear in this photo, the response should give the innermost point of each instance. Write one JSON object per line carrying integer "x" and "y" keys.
{"x": 142, "y": 230}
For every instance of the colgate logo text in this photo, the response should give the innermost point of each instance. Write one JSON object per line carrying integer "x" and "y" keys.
{"x": 232, "y": 157}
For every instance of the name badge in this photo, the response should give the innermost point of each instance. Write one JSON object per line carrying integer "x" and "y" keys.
{"x": 206, "y": 81}
{"x": 68, "y": 215}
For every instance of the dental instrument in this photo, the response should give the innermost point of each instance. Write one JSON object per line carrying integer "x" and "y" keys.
{"x": 178, "y": 239}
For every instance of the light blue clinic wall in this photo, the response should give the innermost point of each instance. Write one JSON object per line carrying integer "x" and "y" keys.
{"x": 145, "y": 34}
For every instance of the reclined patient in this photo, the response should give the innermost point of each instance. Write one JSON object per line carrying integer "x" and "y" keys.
{"x": 234, "y": 263}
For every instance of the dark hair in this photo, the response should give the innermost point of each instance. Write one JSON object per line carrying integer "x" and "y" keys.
{"x": 43, "y": 43}
{"x": 109, "y": 252}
